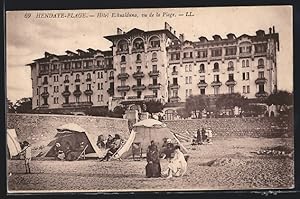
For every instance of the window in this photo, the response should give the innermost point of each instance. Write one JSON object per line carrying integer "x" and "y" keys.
{"x": 216, "y": 66}
{"x": 77, "y": 87}
{"x": 122, "y": 46}
{"x": 37, "y": 91}
{"x": 191, "y": 54}
{"x": 98, "y": 98}
{"x": 186, "y": 80}
{"x": 216, "y": 90}
{"x": 77, "y": 76}
{"x": 243, "y": 63}
{"x": 77, "y": 99}
{"x": 55, "y": 100}
{"x": 248, "y": 89}
{"x": 99, "y": 63}
{"x": 216, "y": 78}
{"x": 190, "y": 67}
{"x": 154, "y": 81}
{"x": 45, "y": 80}
{"x": 37, "y": 102}
{"x": 123, "y": 58}
{"x": 98, "y": 75}
{"x": 202, "y": 79}
{"x": 216, "y": 52}
{"x": 89, "y": 87}
{"x": 101, "y": 86}
{"x": 247, "y": 63}
{"x": 186, "y": 92}
{"x": 245, "y": 49}
{"x": 155, "y": 93}
{"x": 202, "y": 68}
{"x": 190, "y": 92}
{"x": 246, "y": 76}
{"x": 138, "y": 82}
{"x": 244, "y": 89}
{"x": 260, "y": 62}
{"x": 139, "y": 94}
{"x": 190, "y": 79}
{"x": 260, "y": 48}
{"x": 230, "y": 51}
{"x": 67, "y": 78}
{"x": 67, "y": 88}
{"x": 154, "y": 42}
{"x": 186, "y": 68}
{"x": 45, "y": 100}
{"x": 88, "y": 76}
{"x": 98, "y": 86}
{"x": 123, "y": 94}
{"x": 175, "y": 93}
{"x": 175, "y": 56}
{"x": 202, "y": 91}
{"x": 56, "y": 89}
{"x": 230, "y": 77}
{"x": 66, "y": 99}
{"x": 261, "y": 74}
{"x": 138, "y": 57}
{"x": 55, "y": 78}
{"x": 111, "y": 73}
{"x": 175, "y": 81}
{"x": 101, "y": 98}
{"x": 261, "y": 88}
{"x": 45, "y": 89}
{"x": 230, "y": 89}
{"x": 123, "y": 70}
{"x": 202, "y": 54}
{"x": 185, "y": 55}
{"x": 138, "y": 44}
{"x": 123, "y": 82}
{"x": 154, "y": 56}
{"x": 230, "y": 64}
{"x": 138, "y": 68}
{"x": 101, "y": 75}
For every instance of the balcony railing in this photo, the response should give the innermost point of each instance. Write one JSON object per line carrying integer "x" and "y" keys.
{"x": 150, "y": 97}
{"x": 122, "y": 52}
{"x": 88, "y": 79}
{"x": 77, "y": 104}
{"x": 261, "y": 94}
{"x": 137, "y": 50}
{"x": 77, "y": 93}
{"x": 66, "y": 93}
{"x": 66, "y": 81}
{"x": 174, "y": 61}
{"x": 175, "y": 73}
{"x": 88, "y": 92}
{"x": 77, "y": 80}
{"x": 111, "y": 77}
{"x": 123, "y": 76}
{"x": 154, "y": 48}
{"x": 201, "y": 71}
{"x": 44, "y": 72}
{"x": 230, "y": 69}
{"x": 230, "y": 82}
{"x": 154, "y": 73}
{"x": 260, "y": 66}
{"x": 45, "y": 94}
{"x": 216, "y": 83}
{"x": 138, "y": 74}
{"x": 261, "y": 80}
{"x": 216, "y": 70}
{"x": 247, "y": 54}
{"x": 138, "y": 87}
{"x": 154, "y": 86}
{"x": 202, "y": 84}
{"x": 154, "y": 59}
{"x": 174, "y": 86}
{"x": 123, "y": 88}
{"x": 45, "y": 82}
{"x": 138, "y": 61}
{"x": 187, "y": 59}
{"x": 56, "y": 71}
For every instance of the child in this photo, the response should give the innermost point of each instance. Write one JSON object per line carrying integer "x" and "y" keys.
{"x": 26, "y": 151}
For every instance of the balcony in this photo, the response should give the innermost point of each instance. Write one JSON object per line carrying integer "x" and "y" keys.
{"x": 174, "y": 99}
{"x": 77, "y": 80}
{"x": 123, "y": 62}
{"x": 154, "y": 48}
{"x": 174, "y": 86}
{"x": 216, "y": 70}
{"x": 230, "y": 82}
{"x": 111, "y": 78}
{"x": 110, "y": 91}
{"x": 138, "y": 87}
{"x": 45, "y": 94}
{"x": 88, "y": 92}
{"x": 77, "y": 93}
{"x": 88, "y": 80}
{"x": 175, "y": 73}
{"x": 66, "y": 93}
{"x": 202, "y": 84}
{"x": 230, "y": 69}
{"x": 56, "y": 71}
{"x": 45, "y": 82}
{"x": 216, "y": 58}
{"x": 201, "y": 71}
{"x": 261, "y": 94}
{"x": 123, "y": 88}
{"x": 44, "y": 72}
{"x": 154, "y": 73}
{"x": 66, "y": 81}
{"x": 154, "y": 60}
{"x": 138, "y": 61}
{"x": 216, "y": 83}
{"x": 138, "y": 75}
{"x": 154, "y": 86}
{"x": 123, "y": 76}
{"x": 260, "y": 67}
{"x": 119, "y": 52}
{"x": 77, "y": 104}
{"x": 187, "y": 59}
{"x": 261, "y": 80}
{"x": 174, "y": 61}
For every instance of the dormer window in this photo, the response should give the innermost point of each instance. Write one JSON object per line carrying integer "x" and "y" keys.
{"x": 122, "y": 46}
{"x": 154, "y": 42}
{"x": 216, "y": 52}
{"x": 138, "y": 44}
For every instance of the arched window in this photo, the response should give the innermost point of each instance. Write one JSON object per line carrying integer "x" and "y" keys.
{"x": 243, "y": 63}
{"x": 230, "y": 64}
{"x": 154, "y": 42}
{"x": 45, "y": 79}
{"x": 138, "y": 57}
{"x": 154, "y": 55}
{"x": 202, "y": 68}
{"x": 247, "y": 63}
{"x": 123, "y": 58}
{"x": 174, "y": 69}
{"x": 67, "y": 77}
{"x": 122, "y": 45}
{"x": 216, "y": 66}
{"x": 138, "y": 44}
{"x": 261, "y": 62}
{"x": 77, "y": 76}
{"x": 88, "y": 76}
{"x": 111, "y": 74}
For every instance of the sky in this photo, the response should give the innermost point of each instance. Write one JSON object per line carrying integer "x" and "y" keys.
{"x": 27, "y": 38}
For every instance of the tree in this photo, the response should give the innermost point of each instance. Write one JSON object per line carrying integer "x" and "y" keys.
{"x": 183, "y": 113}
{"x": 10, "y": 106}
{"x": 229, "y": 101}
{"x": 195, "y": 103}
{"x": 154, "y": 106}
{"x": 280, "y": 98}
{"x": 23, "y": 105}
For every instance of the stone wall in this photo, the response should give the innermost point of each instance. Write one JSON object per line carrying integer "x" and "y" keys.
{"x": 236, "y": 127}
{"x": 39, "y": 128}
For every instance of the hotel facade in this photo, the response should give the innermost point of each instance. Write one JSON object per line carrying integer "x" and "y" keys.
{"x": 146, "y": 65}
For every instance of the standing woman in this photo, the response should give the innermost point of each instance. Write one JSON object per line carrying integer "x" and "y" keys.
{"x": 153, "y": 168}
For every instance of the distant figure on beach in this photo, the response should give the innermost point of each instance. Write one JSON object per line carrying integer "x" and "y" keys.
{"x": 209, "y": 135}
{"x": 178, "y": 165}
{"x": 153, "y": 168}
{"x": 26, "y": 151}
{"x": 199, "y": 137}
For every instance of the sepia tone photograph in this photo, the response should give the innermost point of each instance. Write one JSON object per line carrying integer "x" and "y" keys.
{"x": 164, "y": 99}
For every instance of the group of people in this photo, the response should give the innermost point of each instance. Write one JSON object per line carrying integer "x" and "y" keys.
{"x": 177, "y": 163}
{"x": 203, "y": 136}
{"x": 112, "y": 144}
{"x": 66, "y": 151}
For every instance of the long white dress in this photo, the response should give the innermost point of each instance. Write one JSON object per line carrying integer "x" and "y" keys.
{"x": 178, "y": 165}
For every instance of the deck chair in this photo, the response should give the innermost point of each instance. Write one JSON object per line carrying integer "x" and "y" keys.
{"x": 137, "y": 150}
{"x": 82, "y": 154}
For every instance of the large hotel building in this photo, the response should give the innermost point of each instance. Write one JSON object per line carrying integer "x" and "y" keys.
{"x": 145, "y": 65}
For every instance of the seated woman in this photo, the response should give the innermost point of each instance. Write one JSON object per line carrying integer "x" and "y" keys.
{"x": 153, "y": 168}
{"x": 168, "y": 150}
{"x": 114, "y": 147}
{"x": 178, "y": 165}
{"x": 101, "y": 142}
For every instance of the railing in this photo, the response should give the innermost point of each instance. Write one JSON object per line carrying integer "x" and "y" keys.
{"x": 230, "y": 82}
{"x": 154, "y": 86}
{"x": 138, "y": 87}
{"x": 201, "y": 71}
{"x": 123, "y": 88}
{"x": 175, "y": 73}
{"x": 66, "y": 93}
{"x": 45, "y": 94}
{"x": 77, "y": 80}
{"x": 216, "y": 83}
{"x": 123, "y": 76}
{"x": 110, "y": 91}
{"x": 77, "y": 93}
{"x": 174, "y": 86}
{"x": 261, "y": 80}
{"x": 88, "y": 79}
{"x": 202, "y": 85}
{"x": 174, "y": 99}
{"x": 260, "y": 66}
{"x": 137, "y": 50}
{"x": 261, "y": 94}
{"x": 138, "y": 74}
{"x": 88, "y": 92}
{"x": 216, "y": 70}
{"x": 66, "y": 81}
{"x": 154, "y": 73}
{"x": 45, "y": 82}
{"x": 122, "y": 52}
{"x": 230, "y": 69}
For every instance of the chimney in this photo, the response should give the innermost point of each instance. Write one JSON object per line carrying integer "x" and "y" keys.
{"x": 119, "y": 31}
{"x": 273, "y": 29}
{"x": 181, "y": 37}
{"x": 270, "y": 30}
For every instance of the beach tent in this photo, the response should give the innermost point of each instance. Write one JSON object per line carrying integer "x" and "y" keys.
{"x": 73, "y": 134}
{"x": 13, "y": 145}
{"x": 142, "y": 134}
